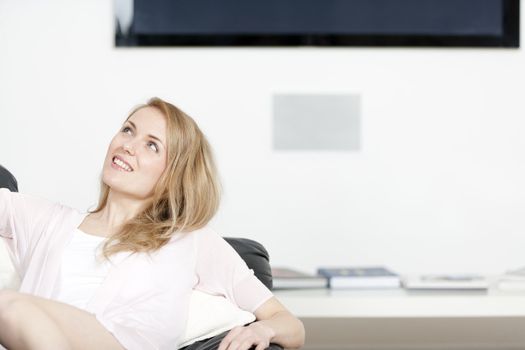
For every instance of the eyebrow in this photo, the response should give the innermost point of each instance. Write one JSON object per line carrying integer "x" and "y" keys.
{"x": 152, "y": 136}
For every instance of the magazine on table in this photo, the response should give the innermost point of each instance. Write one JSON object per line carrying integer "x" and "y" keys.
{"x": 287, "y": 278}
{"x": 446, "y": 282}
{"x": 512, "y": 280}
{"x": 361, "y": 277}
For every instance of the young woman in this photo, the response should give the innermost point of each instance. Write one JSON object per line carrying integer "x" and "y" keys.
{"x": 121, "y": 275}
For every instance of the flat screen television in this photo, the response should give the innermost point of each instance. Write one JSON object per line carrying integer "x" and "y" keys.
{"x": 431, "y": 23}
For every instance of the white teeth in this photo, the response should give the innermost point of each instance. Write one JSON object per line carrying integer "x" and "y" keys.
{"x": 121, "y": 164}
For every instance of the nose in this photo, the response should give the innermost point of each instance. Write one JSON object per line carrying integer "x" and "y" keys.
{"x": 128, "y": 148}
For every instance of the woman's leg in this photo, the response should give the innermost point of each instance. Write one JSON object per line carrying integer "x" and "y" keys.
{"x": 30, "y": 322}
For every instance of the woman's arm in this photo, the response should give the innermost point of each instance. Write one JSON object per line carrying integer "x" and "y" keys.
{"x": 5, "y": 212}
{"x": 23, "y": 220}
{"x": 275, "y": 324}
{"x": 7, "y": 180}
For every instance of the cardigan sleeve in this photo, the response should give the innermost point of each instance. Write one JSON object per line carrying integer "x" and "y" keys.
{"x": 221, "y": 271}
{"x": 23, "y": 219}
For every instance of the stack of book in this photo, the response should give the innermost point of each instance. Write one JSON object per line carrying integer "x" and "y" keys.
{"x": 509, "y": 282}
{"x": 374, "y": 277}
{"x": 286, "y": 278}
{"x": 444, "y": 282}
{"x": 512, "y": 280}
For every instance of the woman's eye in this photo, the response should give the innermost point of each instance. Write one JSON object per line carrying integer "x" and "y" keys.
{"x": 153, "y": 146}
{"x": 126, "y": 129}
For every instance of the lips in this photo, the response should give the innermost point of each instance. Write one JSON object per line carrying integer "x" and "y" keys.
{"x": 119, "y": 162}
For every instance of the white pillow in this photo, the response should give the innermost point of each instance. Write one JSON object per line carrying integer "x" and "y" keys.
{"x": 208, "y": 315}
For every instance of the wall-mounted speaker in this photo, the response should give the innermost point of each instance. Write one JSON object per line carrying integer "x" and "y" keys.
{"x": 316, "y": 122}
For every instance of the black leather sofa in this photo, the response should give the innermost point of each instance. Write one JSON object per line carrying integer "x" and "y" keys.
{"x": 7, "y": 180}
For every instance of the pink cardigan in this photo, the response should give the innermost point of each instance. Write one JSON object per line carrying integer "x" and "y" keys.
{"x": 144, "y": 300}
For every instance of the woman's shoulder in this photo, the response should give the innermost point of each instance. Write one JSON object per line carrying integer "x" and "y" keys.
{"x": 36, "y": 215}
{"x": 206, "y": 234}
{"x": 203, "y": 237}
{"x": 187, "y": 243}
{"x": 34, "y": 203}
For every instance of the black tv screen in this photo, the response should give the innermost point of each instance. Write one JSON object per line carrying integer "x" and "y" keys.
{"x": 468, "y": 23}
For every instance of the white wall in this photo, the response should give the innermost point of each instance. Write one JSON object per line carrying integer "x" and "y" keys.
{"x": 439, "y": 184}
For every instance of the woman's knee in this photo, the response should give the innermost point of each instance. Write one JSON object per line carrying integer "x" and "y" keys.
{"x": 7, "y": 297}
{"x": 10, "y": 304}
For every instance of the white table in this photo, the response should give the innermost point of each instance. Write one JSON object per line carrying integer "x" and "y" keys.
{"x": 400, "y": 319}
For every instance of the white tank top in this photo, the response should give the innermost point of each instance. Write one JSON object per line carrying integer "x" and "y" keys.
{"x": 82, "y": 271}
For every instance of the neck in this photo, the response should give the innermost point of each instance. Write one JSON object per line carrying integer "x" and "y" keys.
{"x": 119, "y": 209}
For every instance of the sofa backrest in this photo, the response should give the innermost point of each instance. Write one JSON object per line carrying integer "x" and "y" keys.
{"x": 7, "y": 180}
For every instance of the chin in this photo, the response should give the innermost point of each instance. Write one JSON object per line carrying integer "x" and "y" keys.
{"x": 113, "y": 182}
{"x": 125, "y": 189}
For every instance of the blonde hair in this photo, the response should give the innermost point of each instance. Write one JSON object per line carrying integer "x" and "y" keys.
{"x": 186, "y": 196}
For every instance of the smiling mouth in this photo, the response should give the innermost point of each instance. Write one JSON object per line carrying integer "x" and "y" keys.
{"x": 120, "y": 164}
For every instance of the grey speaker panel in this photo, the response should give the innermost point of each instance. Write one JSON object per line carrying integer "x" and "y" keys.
{"x": 316, "y": 122}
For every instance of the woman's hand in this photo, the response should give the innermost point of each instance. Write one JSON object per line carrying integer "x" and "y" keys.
{"x": 274, "y": 324}
{"x": 243, "y": 338}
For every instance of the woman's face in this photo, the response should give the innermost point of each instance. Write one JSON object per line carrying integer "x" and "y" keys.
{"x": 137, "y": 154}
